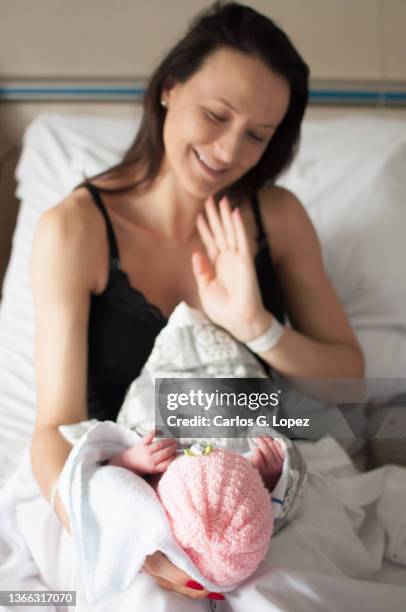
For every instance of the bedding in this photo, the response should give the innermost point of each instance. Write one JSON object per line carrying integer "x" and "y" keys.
{"x": 328, "y": 558}
{"x": 349, "y": 175}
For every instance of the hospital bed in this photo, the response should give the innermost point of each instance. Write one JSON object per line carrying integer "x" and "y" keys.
{"x": 350, "y": 175}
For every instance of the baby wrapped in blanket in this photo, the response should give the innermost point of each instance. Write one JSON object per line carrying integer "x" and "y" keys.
{"x": 206, "y": 516}
{"x": 220, "y": 511}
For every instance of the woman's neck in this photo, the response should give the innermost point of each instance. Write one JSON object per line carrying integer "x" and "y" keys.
{"x": 168, "y": 210}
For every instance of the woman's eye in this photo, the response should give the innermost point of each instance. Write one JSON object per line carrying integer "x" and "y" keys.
{"x": 215, "y": 117}
{"x": 220, "y": 119}
{"x": 257, "y": 138}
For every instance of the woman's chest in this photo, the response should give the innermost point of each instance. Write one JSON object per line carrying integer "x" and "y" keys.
{"x": 164, "y": 275}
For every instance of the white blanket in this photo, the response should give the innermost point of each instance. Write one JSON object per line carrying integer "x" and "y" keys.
{"x": 326, "y": 559}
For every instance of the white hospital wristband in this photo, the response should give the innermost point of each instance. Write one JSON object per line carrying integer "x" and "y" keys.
{"x": 268, "y": 340}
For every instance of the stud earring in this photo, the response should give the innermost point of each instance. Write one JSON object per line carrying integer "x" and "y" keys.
{"x": 164, "y": 103}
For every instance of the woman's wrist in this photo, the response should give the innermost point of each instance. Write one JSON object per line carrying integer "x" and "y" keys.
{"x": 263, "y": 334}
{"x": 268, "y": 340}
{"x": 255, "y": 328}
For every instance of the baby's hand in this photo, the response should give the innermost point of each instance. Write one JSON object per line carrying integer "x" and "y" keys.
{"x": 268, "y": 459}
{"x": 147, "y": 457}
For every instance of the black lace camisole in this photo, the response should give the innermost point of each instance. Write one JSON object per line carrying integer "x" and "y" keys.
{"x": 123, "y": 325}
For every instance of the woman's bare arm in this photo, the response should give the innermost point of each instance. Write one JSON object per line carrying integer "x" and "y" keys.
{"x": 62, "y": 275}
{"x": 63, "y": 261}
{"x": 322, "y": 343}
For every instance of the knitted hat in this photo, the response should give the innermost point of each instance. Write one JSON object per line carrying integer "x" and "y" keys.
{"x": 220, "y": 513}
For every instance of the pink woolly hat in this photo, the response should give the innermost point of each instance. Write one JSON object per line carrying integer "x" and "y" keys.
{"x": 220, "y": 513}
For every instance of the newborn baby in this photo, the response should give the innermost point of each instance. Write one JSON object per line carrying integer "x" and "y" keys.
{"x": 216, "y": 499}
{"x": 217, "y": 506}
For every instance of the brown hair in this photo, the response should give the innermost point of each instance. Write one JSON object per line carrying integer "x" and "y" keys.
{"x": 244, "y": 29}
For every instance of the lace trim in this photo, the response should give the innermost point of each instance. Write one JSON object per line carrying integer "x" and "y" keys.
{"x": 130, "y": 301}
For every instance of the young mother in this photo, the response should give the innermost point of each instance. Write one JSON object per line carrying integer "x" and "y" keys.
{"x": 222, "y": 117}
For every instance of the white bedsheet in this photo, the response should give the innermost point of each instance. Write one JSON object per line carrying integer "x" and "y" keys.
{"x": 329, "y": 558}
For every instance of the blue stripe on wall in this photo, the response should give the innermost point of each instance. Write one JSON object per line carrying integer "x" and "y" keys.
{"x": 86, "y": 92}
{"x": 361, "y": 97}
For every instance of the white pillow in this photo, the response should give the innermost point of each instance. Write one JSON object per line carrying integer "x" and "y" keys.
{"x": 350, "y": 175}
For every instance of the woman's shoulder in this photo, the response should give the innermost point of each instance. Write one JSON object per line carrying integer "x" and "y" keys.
{"x": 285, "y": 219}
{"x": 73, "y": 229}
{"x": 280, "y": 204}
{"x": 76, "y": 219}
{"x": 72, "y": 214}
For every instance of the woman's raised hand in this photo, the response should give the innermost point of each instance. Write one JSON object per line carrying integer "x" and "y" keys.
{"x": 225, "y": 275}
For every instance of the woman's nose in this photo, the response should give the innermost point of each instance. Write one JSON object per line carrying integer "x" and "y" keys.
{"x": 227, "y": 147}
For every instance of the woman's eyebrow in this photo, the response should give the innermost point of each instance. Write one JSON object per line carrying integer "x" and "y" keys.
{"x": 265, "y": 125}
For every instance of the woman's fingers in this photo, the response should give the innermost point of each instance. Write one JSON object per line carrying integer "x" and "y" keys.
{"x": 223, "y": 229}
{"x": 240, "y": 233}
{"x": 171, "y": 578}
{"x": 170, "y": 586}
{"x": 201, "y": 268}
{"x": 228, "y": 225}
{"x": 215, "y": 224}
{"x": 207, "y": 238}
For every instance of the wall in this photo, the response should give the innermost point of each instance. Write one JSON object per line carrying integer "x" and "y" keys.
{"x": 340, "y": 39}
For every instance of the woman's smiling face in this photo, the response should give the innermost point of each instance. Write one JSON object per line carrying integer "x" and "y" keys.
{"x": 219, "y": 122}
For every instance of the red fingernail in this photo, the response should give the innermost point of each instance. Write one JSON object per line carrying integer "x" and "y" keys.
{"x": 192, "y": 584}
{"x": 215, "y": 596}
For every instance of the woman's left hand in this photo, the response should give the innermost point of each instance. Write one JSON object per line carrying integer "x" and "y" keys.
{"x": 226, "y": 277}
{"x": 171, "y": 578}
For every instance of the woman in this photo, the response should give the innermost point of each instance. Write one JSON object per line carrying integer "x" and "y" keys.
{"x": 222, "y": 117}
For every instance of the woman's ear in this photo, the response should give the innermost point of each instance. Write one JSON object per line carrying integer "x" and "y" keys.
{"x": 167, "y": 90}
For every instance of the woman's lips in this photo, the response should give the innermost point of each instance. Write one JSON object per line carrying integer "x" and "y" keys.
{"x": 209, "y": 171}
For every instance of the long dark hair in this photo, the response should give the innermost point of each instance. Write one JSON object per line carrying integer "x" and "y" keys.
{"x": 244, "y": 29}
